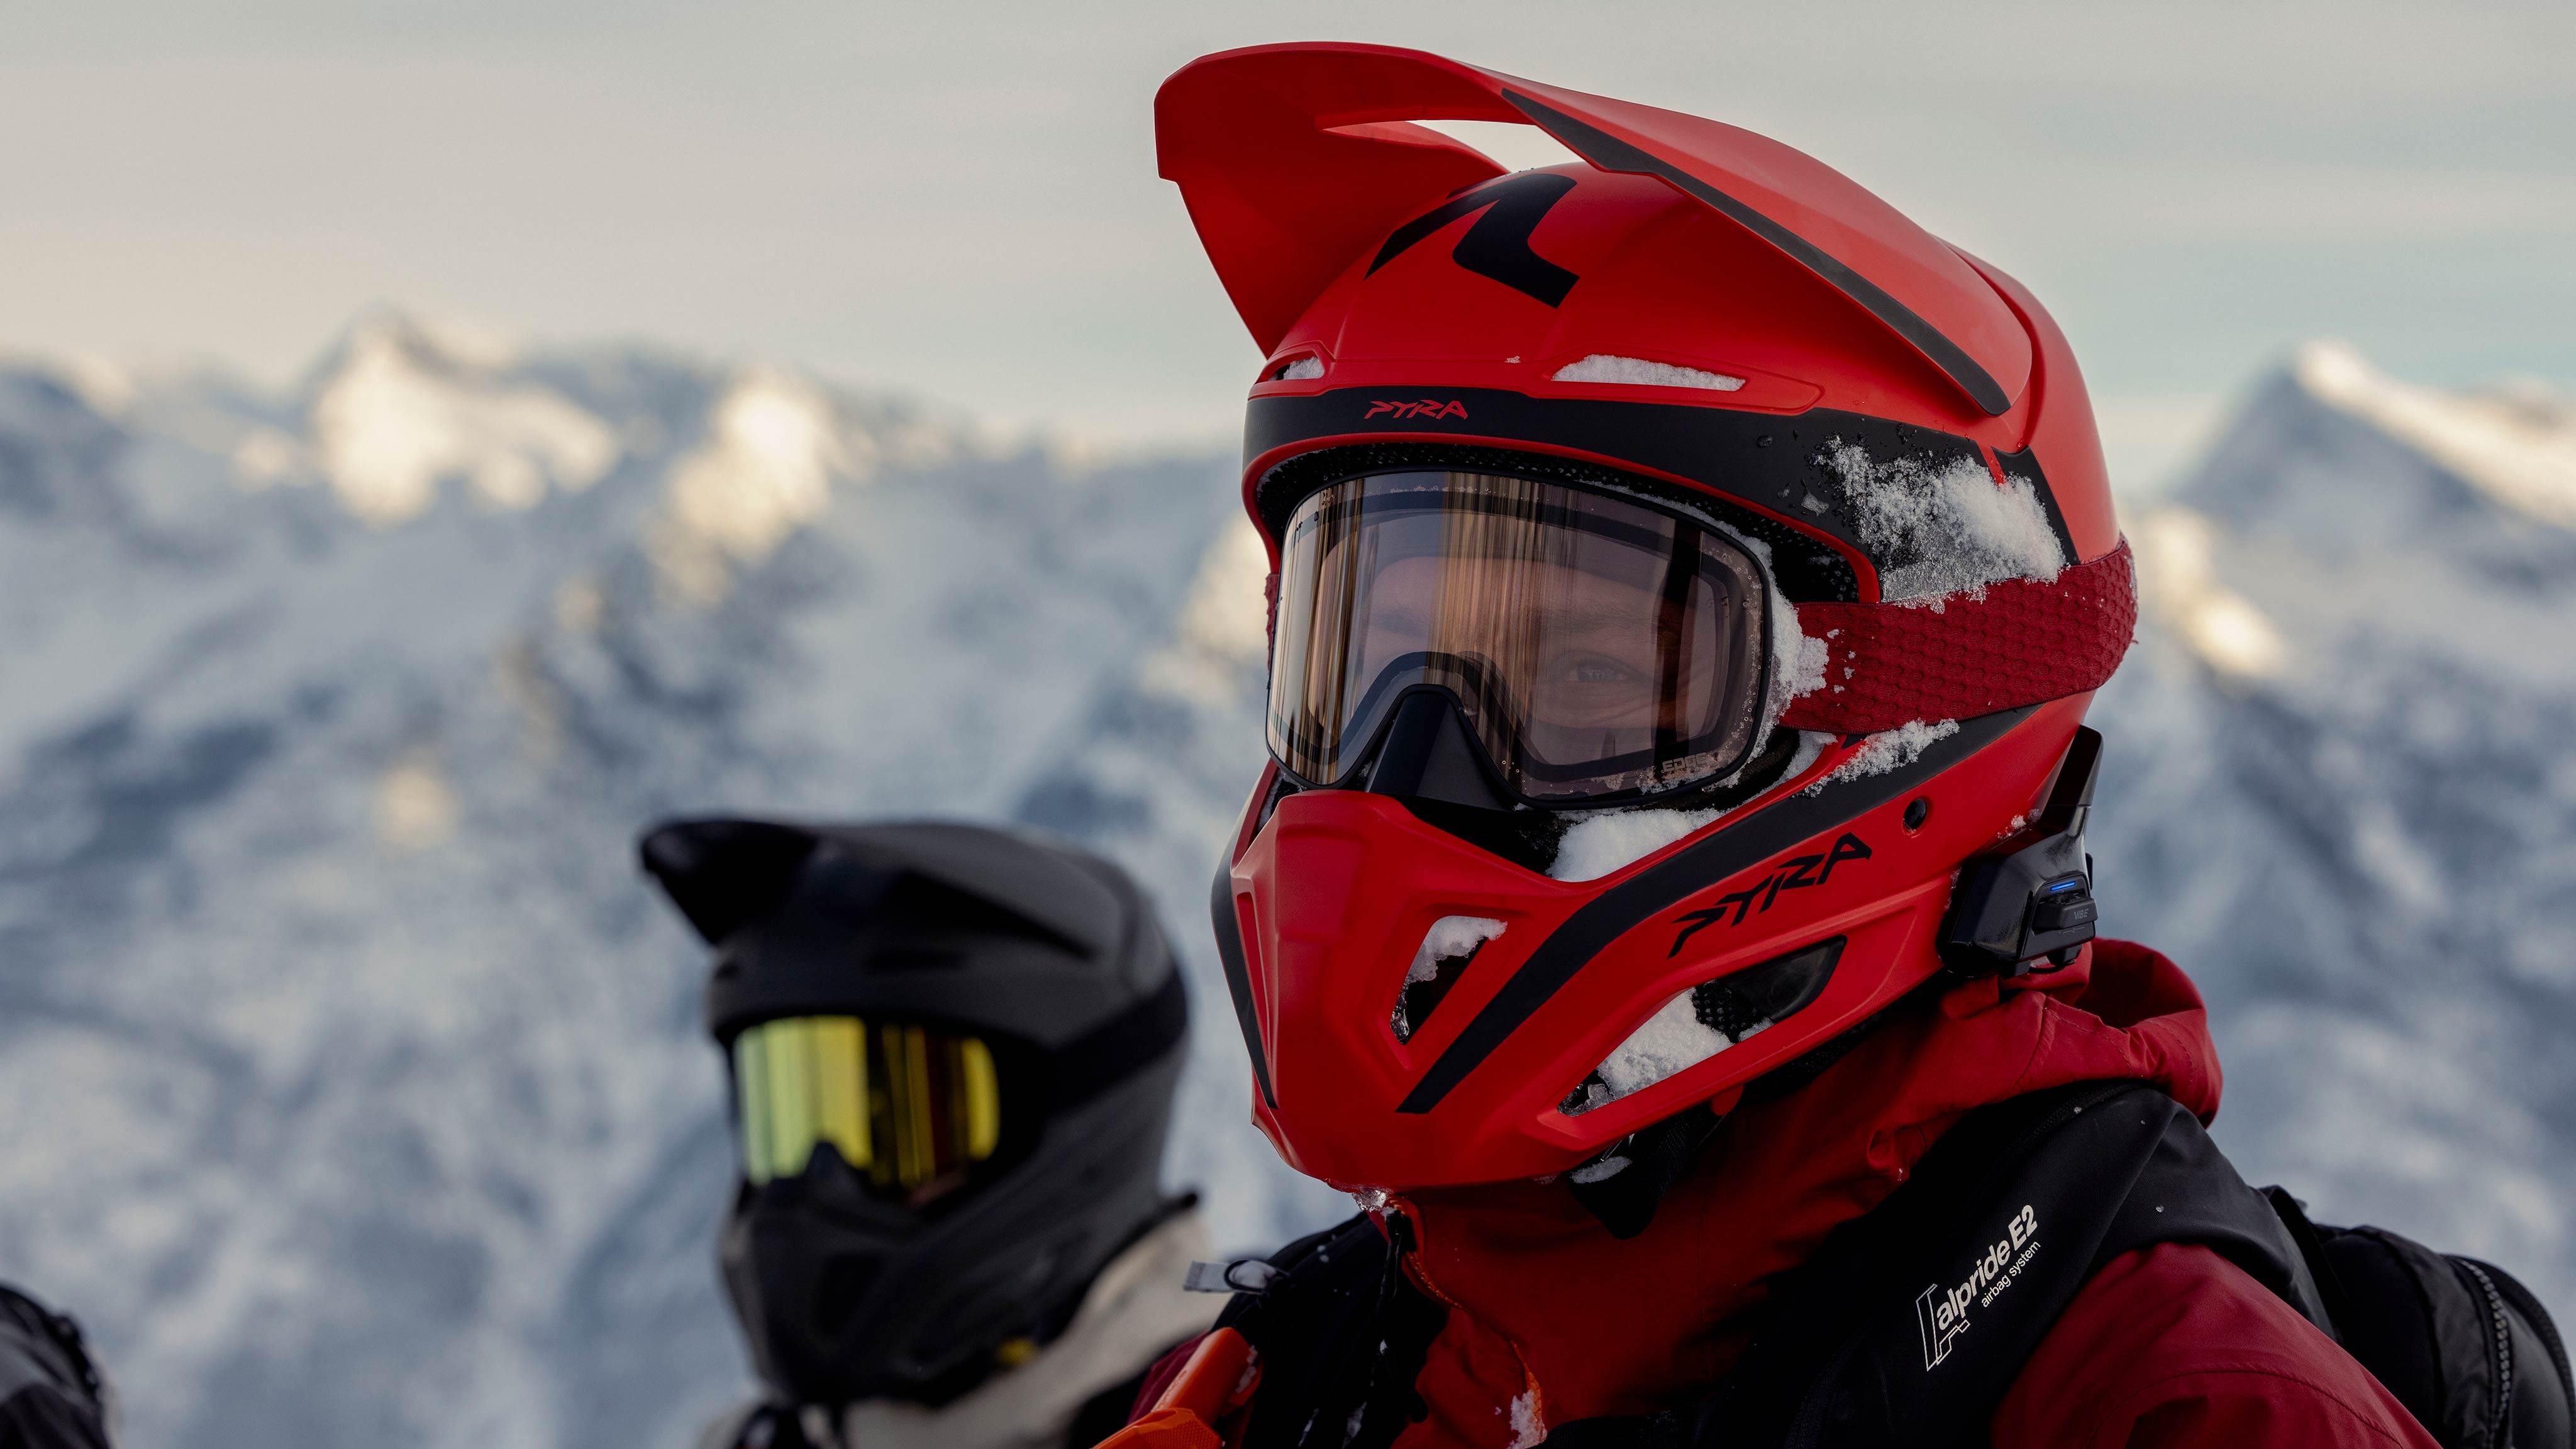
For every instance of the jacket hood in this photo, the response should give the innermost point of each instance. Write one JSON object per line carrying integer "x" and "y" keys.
{"x": 1560, "y": 1321}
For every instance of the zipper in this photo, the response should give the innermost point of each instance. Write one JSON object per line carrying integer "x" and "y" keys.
{"x": 2499, "y": 1355}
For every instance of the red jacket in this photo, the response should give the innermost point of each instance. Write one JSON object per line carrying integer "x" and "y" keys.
{"x": 1553, "y": 1319}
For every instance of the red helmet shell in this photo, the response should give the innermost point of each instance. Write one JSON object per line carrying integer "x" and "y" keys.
{"x": 1663, "y": 279}
{"x": 1349, "y": 237}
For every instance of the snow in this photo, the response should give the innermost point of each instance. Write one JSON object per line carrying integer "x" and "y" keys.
{"x": 1450, "y": 937}
{"x": 1224, "y": 621}
{"x": 1304, "y": 369}
{"x": 1601, "y": 1171}
{"x": 317, "y": 896}
{"x": 316, "y": 881}
{"x": 1672, "y": 1040}
{"x": 2516, "y": 445}
{"x": 414, "y": 808}
{"x": 107, "y": 385}
{"x": 266, "y": 456}
{"x": 1797, "y": 662}
{"x": 2355, "y": 824}
{"x": 2219, "y": 624}
{"x": 1638, "y": 372}
{"x": 1528, "y": 1430}
{"x": 765, "y": 471}
{"x": 407, "y": 406}
{"x": 1604, "y": 841}
{"x": 1812, "y": 745}
{"x": 1890, "y": 750}
{"x": 1596, "y": 843}
{"x": 1961, "y": 528}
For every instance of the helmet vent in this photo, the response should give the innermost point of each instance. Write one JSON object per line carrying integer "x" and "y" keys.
{"x": 1442, "y": 958}
{"x": 1705, "y": 1020}
{"x": 1638, "y": 372}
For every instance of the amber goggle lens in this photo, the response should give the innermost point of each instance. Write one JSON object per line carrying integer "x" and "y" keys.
{"x": 1599, "y": 647}
{"x": 908, "y": 1107}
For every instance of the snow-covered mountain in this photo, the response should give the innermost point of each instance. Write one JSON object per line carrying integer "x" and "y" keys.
{"x": 2340, "y": 788}
{"x": 351, "y": 1082}
{"x": 354, "y": 1089}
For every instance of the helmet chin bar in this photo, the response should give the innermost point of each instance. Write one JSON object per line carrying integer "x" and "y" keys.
{"x": 2032, "y": 895}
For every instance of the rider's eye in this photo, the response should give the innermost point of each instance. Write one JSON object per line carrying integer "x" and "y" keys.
{"x": 1594, "y": 669}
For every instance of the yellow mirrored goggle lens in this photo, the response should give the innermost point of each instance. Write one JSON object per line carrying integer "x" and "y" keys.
{"x": 904, "y": 1105}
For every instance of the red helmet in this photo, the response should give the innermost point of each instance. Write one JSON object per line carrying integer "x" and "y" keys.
{"x": 1683, "y": 566}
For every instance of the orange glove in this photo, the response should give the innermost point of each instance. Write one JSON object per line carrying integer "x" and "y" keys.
{"x": 1217, "y": 1381}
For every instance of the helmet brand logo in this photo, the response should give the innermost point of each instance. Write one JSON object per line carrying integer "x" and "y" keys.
{"x": 1429, "y": 407}
{"x": 1796, "y": 873}
{"x": 1943, "y": 1316}
{"x": 1498, "y": 245}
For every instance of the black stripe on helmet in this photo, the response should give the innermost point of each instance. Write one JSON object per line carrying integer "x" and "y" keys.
{"x": 1631, "y": 903}
{"x": 1612, "y": 154}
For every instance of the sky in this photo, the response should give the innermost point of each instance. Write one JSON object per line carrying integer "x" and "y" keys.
{"x": 958, "y": 200}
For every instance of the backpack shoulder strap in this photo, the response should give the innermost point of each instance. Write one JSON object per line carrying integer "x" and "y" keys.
{"x": 2188, "y": 1192}
{"x": 1907, "y": 1325}
{"x": 2004, "y": 1229}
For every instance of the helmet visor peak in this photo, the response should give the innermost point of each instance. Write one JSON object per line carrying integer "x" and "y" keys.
{"x": 1597, "y": 647}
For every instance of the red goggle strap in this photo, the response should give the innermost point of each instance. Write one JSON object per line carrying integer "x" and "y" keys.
{"x": 2015, "y": 643}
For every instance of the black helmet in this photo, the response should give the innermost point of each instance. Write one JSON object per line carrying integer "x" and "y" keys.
{"x": 953, "y": 1055}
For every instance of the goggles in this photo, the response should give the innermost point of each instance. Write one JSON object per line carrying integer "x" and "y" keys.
{"x": 912, "y": 1110}
{"x": 1597, "y": 648}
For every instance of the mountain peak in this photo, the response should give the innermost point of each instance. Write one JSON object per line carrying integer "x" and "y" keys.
{"x": 2515, "y": 444}
{"x": 406, "y": 402}
{"x": 434, "y": 339}
{"x": 774, "y": 445}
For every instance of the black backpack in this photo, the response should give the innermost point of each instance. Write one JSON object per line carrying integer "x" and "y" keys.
{"x": 2467, "y": 1349}
{"x": 1908, "y": 1324}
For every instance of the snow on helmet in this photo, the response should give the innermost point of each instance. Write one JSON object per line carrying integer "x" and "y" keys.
{"x": 953, "y": 1051}
{"x": 1683, "y": 565}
